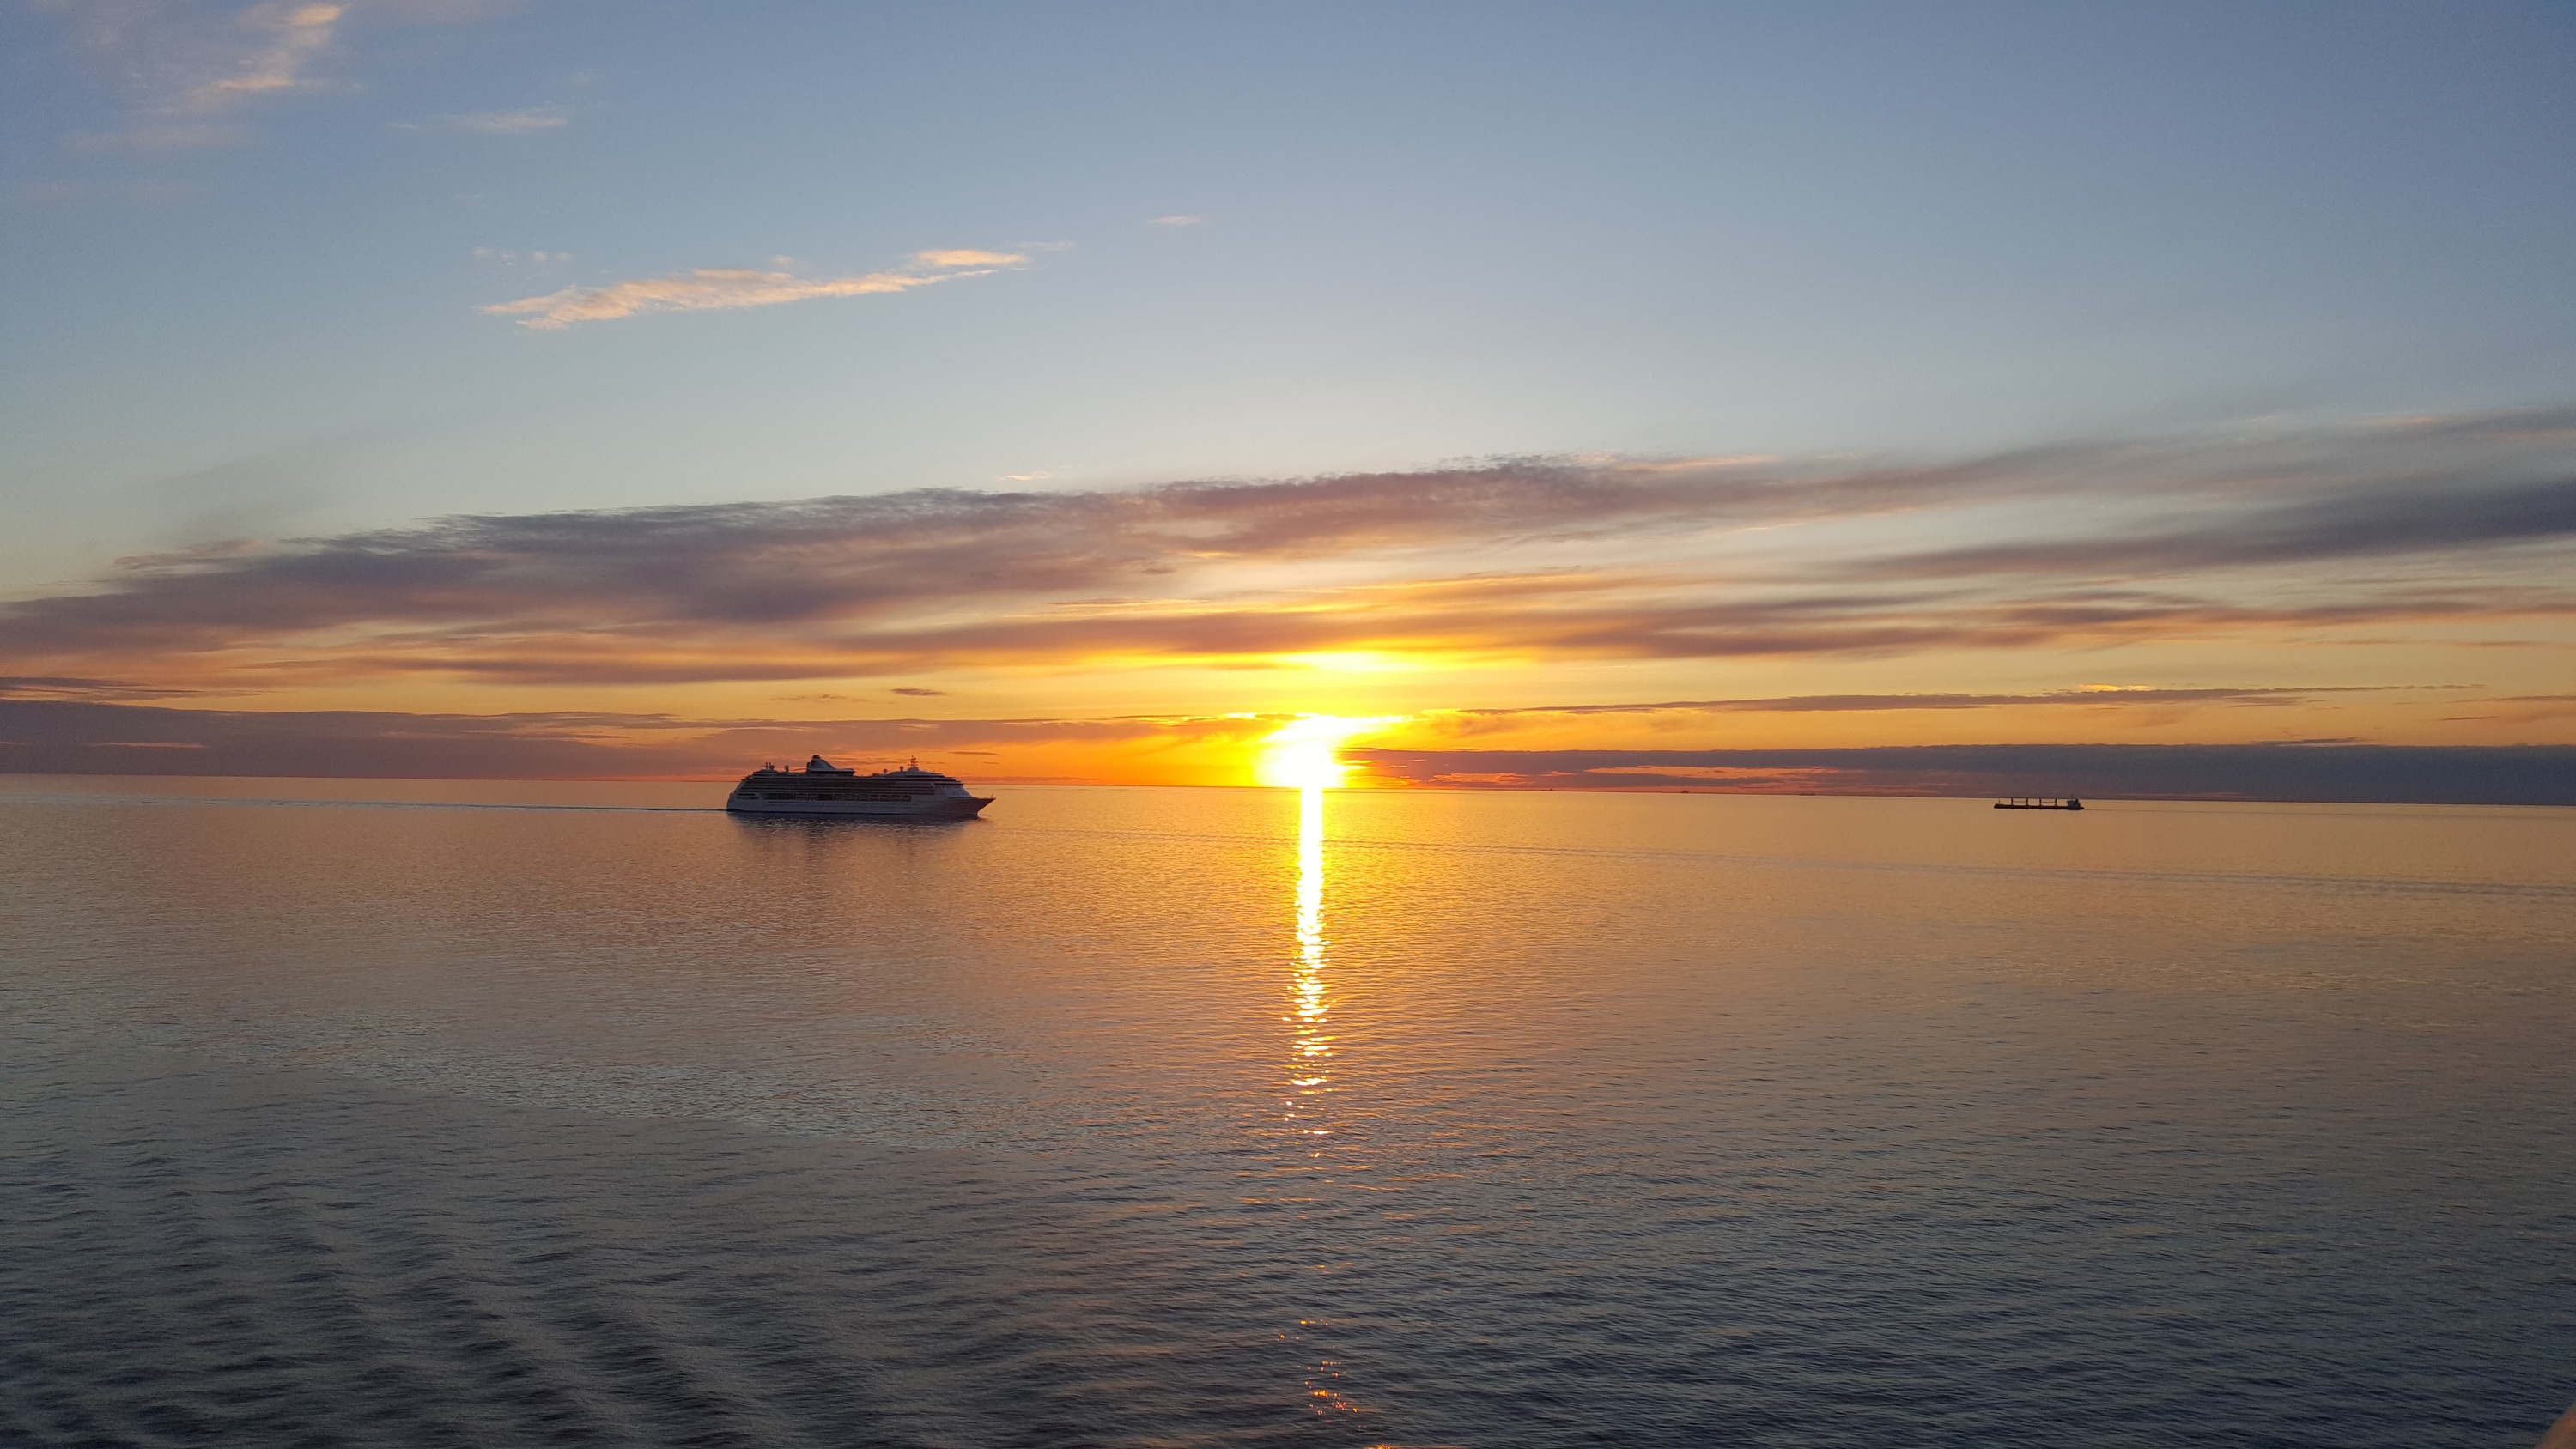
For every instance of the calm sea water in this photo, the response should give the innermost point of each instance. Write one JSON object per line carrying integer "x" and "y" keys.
{"x": 401, "y": 1113}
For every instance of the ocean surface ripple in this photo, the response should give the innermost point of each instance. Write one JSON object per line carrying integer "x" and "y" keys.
{"x": 1169, "y": 1117}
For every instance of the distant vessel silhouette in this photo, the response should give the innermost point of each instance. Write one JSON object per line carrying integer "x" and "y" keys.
{"x": 2035, "y": 802}
{"x": 823, "y": 788}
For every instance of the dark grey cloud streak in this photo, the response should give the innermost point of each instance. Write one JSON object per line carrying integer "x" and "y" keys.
{"x": 2415, "y": 518}
{"x": 46, "y": 736}
{"x": 2321, "y": 770}
{"x": 2463, "y": 518}
{"x": 2274, "y": 697}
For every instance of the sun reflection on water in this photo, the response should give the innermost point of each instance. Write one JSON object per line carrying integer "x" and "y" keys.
{"x": 1310, "y": 1014}
{"x": 1310, "y": 1056}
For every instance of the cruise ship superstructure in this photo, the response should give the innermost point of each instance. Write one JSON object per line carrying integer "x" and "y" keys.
{"x": 823, "y": 788}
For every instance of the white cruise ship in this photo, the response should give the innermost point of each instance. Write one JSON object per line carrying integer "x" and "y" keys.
{"x": 823, "y": 788}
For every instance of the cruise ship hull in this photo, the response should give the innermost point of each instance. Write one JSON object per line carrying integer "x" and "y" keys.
{"x": 825, "y": 789}
{"x": 931, "y": 808}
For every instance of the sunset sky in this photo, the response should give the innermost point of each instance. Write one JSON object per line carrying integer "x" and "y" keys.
{"x": 1579, "y": 393}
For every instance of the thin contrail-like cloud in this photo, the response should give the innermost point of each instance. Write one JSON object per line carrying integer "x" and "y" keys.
{"x": 711, "y": 289}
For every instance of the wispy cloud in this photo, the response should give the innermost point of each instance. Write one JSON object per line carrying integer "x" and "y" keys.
{"x": 158, "y": 135}
{"x": 282, "y": 37}
{"x": 497, "y": 123}
{"x": 1519, "y": 562}
{"x": 1177, "y": 221}
{"x": 86, "y": 691}
{"x": 709, "y": 289}
{"x": 129, "y": 190}
{"x": 2394, "y": 517}
{"x": 190, "y": 60}
{"x": 511, "y": 257}
{"x": 183, "y": 67}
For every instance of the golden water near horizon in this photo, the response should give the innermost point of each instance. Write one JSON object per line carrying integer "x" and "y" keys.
{"x": 397, "y": 1111}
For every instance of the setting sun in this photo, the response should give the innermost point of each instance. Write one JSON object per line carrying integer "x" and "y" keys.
{"x": 1304, "y": 753}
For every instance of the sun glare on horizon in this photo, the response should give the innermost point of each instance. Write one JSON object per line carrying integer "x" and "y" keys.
{"x": 1305, "y": 753}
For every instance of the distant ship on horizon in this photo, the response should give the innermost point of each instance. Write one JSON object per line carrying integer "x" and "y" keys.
{"x": 823, "y": 788}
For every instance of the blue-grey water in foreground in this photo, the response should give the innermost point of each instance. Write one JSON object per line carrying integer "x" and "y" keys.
{"x": 1164, "y": 1117}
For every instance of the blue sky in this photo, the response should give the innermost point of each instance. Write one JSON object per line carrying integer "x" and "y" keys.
{"x": 252, "y": 250}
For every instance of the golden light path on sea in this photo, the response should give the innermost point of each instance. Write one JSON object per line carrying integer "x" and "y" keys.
{"x": 1310, "y": 1078}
